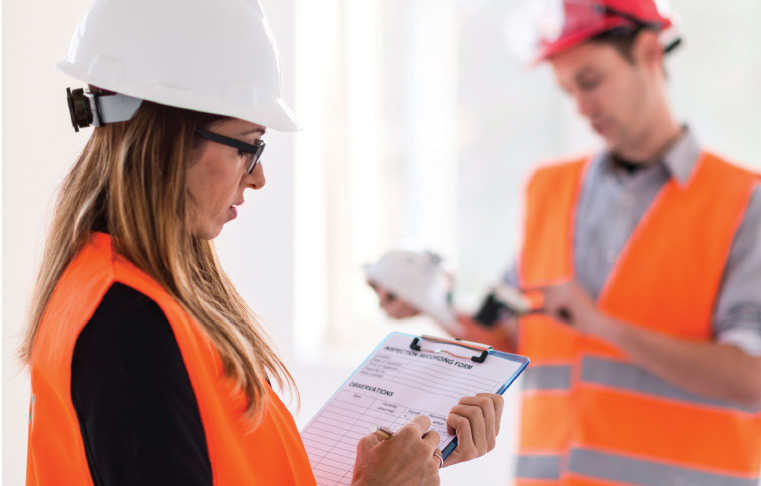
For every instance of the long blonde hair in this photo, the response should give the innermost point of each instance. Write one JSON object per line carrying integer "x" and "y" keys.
{"x": 130, "y": 181}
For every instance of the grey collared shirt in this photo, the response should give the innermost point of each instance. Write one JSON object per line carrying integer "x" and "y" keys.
{"x": 611, "y": 204}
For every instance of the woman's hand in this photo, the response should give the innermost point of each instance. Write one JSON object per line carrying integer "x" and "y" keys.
{"x": 475, "y": 421}
{"x": 406, "y": 459}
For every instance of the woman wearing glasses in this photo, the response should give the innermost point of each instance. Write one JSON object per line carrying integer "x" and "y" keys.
{"x": 147, "y": 366}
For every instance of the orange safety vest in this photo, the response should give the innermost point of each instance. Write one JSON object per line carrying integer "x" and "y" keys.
{"x": 591, "y": 416}
{"x": 273, "y": 453}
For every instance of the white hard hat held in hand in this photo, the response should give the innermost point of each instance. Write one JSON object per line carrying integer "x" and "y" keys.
{"x": 419, "y": 278}
{"x": 202, "y": 55}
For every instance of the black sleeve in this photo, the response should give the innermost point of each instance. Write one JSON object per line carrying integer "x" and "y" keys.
{"x": 137, "y": 410}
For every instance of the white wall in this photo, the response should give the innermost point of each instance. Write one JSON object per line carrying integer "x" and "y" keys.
{"x": 508, "y": 118}
{"x": 38, "y": 147}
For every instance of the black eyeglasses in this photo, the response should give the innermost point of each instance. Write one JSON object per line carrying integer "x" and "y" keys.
{"x": 253, "y": 151}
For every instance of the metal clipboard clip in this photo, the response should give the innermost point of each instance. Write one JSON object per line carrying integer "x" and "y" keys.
{"x": 483, "y": 348}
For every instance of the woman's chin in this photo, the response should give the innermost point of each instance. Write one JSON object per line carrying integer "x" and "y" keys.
{"x": 208, "y": 232}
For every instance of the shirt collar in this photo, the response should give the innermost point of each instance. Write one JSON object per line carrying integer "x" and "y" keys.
{"x": 679, "y": 159}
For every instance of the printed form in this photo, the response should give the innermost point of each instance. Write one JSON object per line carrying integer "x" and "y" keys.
{"x": 392, "y": 386}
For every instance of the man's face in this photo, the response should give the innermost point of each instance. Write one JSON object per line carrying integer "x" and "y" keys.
{"x": 613, "y": 93}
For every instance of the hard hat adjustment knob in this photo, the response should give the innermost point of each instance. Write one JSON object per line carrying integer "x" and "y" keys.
{"x": 79, "y": 108}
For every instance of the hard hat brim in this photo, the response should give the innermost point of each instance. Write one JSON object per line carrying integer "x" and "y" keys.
{"x": 568, "y": 42}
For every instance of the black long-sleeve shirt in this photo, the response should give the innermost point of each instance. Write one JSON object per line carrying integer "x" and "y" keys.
{"x": 136, "y": 407}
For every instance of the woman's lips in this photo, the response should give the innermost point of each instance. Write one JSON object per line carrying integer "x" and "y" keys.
{"x": 233, "y": 209}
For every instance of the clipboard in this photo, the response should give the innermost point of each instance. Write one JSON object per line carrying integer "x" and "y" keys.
{"x": 404, "y": 376}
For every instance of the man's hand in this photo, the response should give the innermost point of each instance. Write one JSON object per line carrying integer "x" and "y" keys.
{"x": 568, "y": 302}
{"x": 392, "y": 305}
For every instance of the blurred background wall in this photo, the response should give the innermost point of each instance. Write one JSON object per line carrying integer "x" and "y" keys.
{"x": 420, "y": 129}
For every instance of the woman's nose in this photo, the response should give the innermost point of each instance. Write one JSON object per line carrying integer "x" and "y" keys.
{"x": 256, "y": 180}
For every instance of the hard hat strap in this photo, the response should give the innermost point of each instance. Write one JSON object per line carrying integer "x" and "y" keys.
{"x": 672, "y": 45}
{"x": 639, "y": 24}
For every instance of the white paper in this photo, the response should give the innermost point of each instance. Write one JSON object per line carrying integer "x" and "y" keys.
{"x": 391, "y": 387}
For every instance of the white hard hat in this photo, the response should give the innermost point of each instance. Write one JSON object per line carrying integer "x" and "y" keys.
{"x": 204, "y": 55}
{"x": 419, "y": 278}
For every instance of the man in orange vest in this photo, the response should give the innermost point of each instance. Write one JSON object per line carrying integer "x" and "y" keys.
{"x": 646, "y": 357}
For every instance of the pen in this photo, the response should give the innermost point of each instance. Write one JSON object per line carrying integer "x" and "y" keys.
{"x": 383, "y": 433}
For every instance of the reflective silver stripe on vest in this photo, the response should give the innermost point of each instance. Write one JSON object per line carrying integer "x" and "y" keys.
{"x": 547, "y": 377}
{"x": 635, "y": 471}
{"x": 538, "y": 467}
{"x": 615, "y": 374}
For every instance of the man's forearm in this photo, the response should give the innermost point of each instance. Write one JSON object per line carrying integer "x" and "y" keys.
{"x": 709, "y": 369}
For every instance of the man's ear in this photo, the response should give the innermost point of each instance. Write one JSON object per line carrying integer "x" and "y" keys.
{"x": 647, "y": 50}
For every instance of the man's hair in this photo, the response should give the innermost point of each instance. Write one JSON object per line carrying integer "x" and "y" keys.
{"x": 620, "y": 38}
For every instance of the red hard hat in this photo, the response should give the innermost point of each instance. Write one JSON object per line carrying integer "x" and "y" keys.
{"x": 584, "y": 19}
